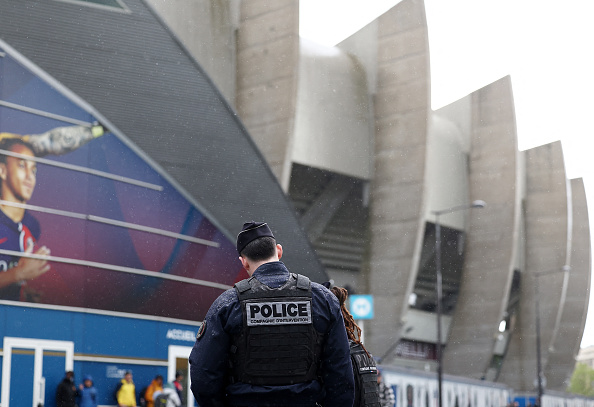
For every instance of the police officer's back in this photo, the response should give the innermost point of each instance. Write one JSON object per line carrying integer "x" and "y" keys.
{"x": 276, "y": 339}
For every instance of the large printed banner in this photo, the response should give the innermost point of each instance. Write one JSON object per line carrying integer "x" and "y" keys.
{"x": 119, "y": 236}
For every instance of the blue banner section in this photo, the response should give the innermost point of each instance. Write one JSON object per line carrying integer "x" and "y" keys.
{"x": 109, "y": 219}
{"x": 105, "y": 347}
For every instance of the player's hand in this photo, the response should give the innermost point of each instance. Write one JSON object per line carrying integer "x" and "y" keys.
{"x": 29, "y": 268}
{"x": 98, "y": 129}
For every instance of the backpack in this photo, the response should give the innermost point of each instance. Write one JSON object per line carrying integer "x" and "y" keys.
{"x": 365, "y": 375}
{"x": 161, "y": 400}
{"x": 116, "y": 391}
{"x": 142, "y": 400}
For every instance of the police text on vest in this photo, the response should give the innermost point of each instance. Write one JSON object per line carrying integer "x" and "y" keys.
{"x": 278, "y": 313}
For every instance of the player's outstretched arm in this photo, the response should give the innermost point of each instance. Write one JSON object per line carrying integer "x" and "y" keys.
{"x": 62, "y": 140}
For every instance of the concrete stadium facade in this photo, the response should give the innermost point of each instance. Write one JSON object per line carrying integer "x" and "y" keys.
{"x": 348, "y": 134}
{"x": 351, "y": 137}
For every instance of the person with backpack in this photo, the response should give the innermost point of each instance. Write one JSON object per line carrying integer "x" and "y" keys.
{"x": 156, "y": 385}
{"x": 126, "y": 392}
{"x": 167, "y": 397}
{"x": 364, "y": 366}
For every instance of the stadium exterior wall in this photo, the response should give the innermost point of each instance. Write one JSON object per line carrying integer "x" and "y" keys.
{"x": 394, "y": 53}
{"x": 528, "y": 190}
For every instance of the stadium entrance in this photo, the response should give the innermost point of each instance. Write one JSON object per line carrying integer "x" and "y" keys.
{"x": 26, "y": 364}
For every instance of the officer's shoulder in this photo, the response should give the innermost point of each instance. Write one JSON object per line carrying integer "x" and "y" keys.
{"x": 320, "y": 290}
{"x": 226, "y": 299}
{"x": 319, "y": 287}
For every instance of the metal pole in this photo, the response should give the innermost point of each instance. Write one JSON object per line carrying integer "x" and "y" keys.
{"x": 539, "y": 373}
{"x": 538, "y": 356}
{"x": 361, "y": 323}
{"x": 438, "y": 287}
{"x": 439, "y": 295}
{"x": 43, "y": 113}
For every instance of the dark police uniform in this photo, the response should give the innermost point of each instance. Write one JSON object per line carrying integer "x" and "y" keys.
{"x": 16, "y": 236}
{"x": 226, "y": 370}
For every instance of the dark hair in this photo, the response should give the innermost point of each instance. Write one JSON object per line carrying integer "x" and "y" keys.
{"x": 352, "y": 329}
{"x": 262, "y": 248}
{"x": 8, "y": 143}
{"x": 158, "y": 377}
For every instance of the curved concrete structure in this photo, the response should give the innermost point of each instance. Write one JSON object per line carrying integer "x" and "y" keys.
{"x": 212, "y": 41}
{"x": 493, "y": 234}
{"x": 402, "y": 109}
{"x": 333, "y": 129}
{"x": 267, "y": 66}
{"x": 546, "y": 220}
{"x": 447, "y": 181}
{"x": 306, "y": 109}
{"x": 573, "y": 318}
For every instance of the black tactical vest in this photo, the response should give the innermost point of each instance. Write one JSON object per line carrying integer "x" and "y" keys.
{"x": 365, "y": 372}
{"x": 278, "y": 344}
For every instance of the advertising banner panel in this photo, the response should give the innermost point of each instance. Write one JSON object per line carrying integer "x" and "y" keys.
{"x": 86, "y": 221}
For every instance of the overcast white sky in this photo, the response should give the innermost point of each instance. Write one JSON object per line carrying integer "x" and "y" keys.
{"x": 546, "y": 46}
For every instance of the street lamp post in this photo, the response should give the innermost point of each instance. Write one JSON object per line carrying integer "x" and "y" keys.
{"x": 539, "y": 373}
{"x": 538, "y": 356}
{"x": 438, "y": 288}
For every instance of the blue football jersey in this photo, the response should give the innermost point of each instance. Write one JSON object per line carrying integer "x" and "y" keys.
{"x": 15, "y": 236}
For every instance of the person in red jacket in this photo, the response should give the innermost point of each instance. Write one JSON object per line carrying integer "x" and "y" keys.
{"x": 177, "y": 383}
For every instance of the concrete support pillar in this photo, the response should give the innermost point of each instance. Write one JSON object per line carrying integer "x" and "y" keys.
{"x": 493, "y": 234}
{"x": 207, "y": 29}
{"x": 267, "y": 66}
{"x": 573, "y": 318}
{"x": 546, "y": 251}
{"x": 402, "y": 108}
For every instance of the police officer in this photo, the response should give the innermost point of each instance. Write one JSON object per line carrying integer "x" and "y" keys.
{"x": 275, "y": 339}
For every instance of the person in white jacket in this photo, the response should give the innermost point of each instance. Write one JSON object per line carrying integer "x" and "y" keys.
{"x": 172, "y": 397}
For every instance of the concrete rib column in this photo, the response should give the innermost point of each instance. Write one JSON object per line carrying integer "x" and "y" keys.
{"x": 573, "y": 319}
{"x": 267, "y": 66}
{"x": 546, "y": 223}
{"x": 207, "y": 29}
{"x": 402, "y": 108}
{"x": 493, "y": 232}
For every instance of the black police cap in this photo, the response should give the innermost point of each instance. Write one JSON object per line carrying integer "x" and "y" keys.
{"x": 252, "y": 231}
